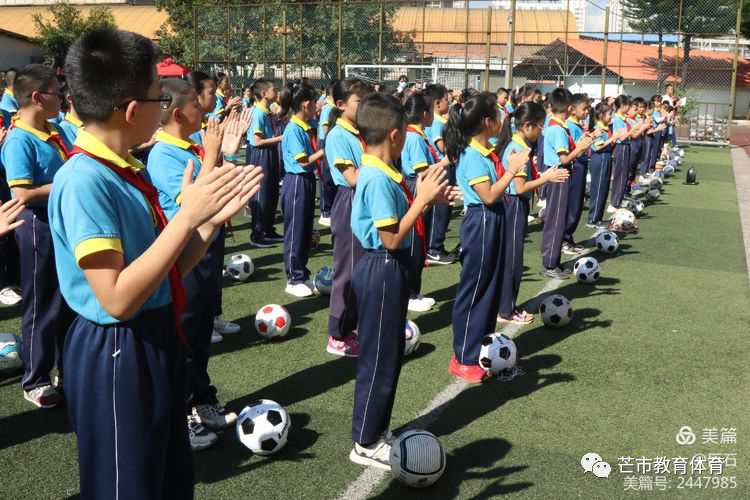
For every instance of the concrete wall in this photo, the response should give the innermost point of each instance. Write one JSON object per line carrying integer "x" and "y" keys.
{"x": 15, "y": 52}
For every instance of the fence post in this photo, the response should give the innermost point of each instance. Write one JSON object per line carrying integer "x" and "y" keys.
{"x": 733, "y": 90}
{"x": 511, "y": 45}
{"x": 283, "y": 46}
{"x": 466, "y": 49}
{"x": 380, "y": 43}
{"x": 195, "y": 38}
{"x": 486, "y": 83}
{"x": 622, "y": 42}
{"x": 424, "y": 21}
{"x": 341, "y": 25}
{"x": 606, "y": 49}
{"x": 677, "y": 48}
{"x": 567, "y": 30}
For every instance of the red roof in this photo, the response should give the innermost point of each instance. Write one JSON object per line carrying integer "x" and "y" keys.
{"x": 170, "y": 68}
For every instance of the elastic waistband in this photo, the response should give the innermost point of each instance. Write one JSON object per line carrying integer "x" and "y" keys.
{"x": 383, "y": 253}
{"x": 495, "y": 207}
{"x": 148, "y": 319}
{"x": 306, "y": 175}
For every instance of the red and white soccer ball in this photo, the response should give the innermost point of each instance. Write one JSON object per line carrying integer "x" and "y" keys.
{"x": 273, "y": 322}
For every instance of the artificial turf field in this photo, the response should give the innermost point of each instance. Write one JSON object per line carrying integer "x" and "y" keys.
{"x": 659, "y": 342}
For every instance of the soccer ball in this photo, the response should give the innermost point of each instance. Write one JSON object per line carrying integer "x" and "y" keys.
{"x": 668, "y": 170}
{"x": 556, "y": 311}
{"x": 656, "y": 183}
{"x": 315, "y": 240}
{"x": 417, "y": 458}
{"x": 240, "y": 267}
{"x": 587, "y": 270}
{"x": 623, "y": 220}
{"x": 273, "y": 322}
{"x": 681, "y": 152}
{"x": 10, "y": 354}
{"x": 636, "y": 206}
{"x": 653, "y": 194}
{"x": 607, "y": 242}
{"x": 324, "y": 280}
{"x": 542, "y": 214}
{"x": 498, "y": 353}
{"x": 659, "y": 174}
{"x": 263, "y": 427}
{"x": 413, "y": 337}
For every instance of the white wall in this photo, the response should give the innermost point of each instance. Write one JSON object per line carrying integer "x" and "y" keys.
{"x": 15, "y": 52}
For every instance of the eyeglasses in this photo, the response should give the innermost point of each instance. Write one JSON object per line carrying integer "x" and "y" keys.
{"x": 164, "y": 100}
{"x": 60, "y": 95}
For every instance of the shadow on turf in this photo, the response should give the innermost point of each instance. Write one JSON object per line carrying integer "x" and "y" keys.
{"x": 474, "y": 461}
{"x": 32, "y": 424}
{"x": 229, "y": 457}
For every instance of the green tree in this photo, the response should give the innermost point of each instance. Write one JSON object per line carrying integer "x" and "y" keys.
{"x": 698, "y": 19}
{"x": 254, "y": 35}
{"x": 67, "y": 24}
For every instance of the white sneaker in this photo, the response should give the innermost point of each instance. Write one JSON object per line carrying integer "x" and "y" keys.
{"x": 375, "y": 455}
{"x": 530, "y": 219}
{"x": 429, "y": 300}
{"x": 200, "y": 437}
{"x": 43, "y": 397}
{"x": 324, "y": 221}
{"x": 10, "y": 296}
{"x": 541, "y": 203}
{"x": 216, "y": 337}
{"x": 214, "y": 416}
{"x": 611, "y": 209}
{"x": 222, "y": 326}
{"x": 298, "y": 290}
{"x": 417, "y": 305}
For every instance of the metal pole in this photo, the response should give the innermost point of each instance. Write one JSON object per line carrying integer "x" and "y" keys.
{"x": 301, "y": 24}
{"x": 511, "y": 45}
{"x": 380, "y": 43}
{"x": 567, "y": 25}
{"x": 733, "y": 89}
{"x": 424, "y": 15}
{"x": 622, "y": 42}
{"x": 341, "y": 25}
{"x": 283, "y": 47}
{"x": 466, "y": 49}
{"x": 606, "y": 48}
{"x": 486, "y": 83}
{"x": 677, "y": 49}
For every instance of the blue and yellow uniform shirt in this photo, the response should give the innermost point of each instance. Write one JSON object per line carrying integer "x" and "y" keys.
{"x": 509, "y": 107}
{"x": 325, "y": 115}
{"x": 221, "y": 102}
{"x": 69, "y": 128}
{"x": 166, "y": 166}
{"x": 92, "y": 209}
{"x": 247, "y": 102}
{"x": 474, "y": 166}
{"x": 602, "y": 139}
{"x": 435, "y": 133}
{"x": 518, "y": 143}
{"x": 379, "y": 201}
{"x": 619, "y": 122}
{"x": 556, "y": 141}
{"x": 8, "y": 102}
{"x": 5, "y": 119}
{"x": 343, "y": 147}
{"x": 31, "y": 157}
{"x": 260, "y": 124}
{"x": 576, "y": 130}
{"x": 295, "y": 145}
{"x": 416, "y": 155}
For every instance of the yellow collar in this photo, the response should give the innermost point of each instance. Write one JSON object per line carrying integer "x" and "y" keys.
{"x": 261, "y": 107}
{"x": 618, "y": 115}
{"x": 560, "y": 122}
{"x": 574, "y": 119}
{"x": 475, "y": 144}
{"x": 166, "y": 138}
{"x": 219, "y": 92}
{"x": 602, "y": 125}
{"x": 348, "y": 126}
{"x": 72, "y": 119}
{"x": 10, "y": 93}
{"x": 374, "y": 161}
{"x": 89, "y": 143}
{"x": 441, "y": 119}
{"x": 419, "y": 130}
{"x": 42, "y": 136}
{"x": 520, "y": 141}
{"x": 299, "y": 121}
{"x": 330, "y": 101}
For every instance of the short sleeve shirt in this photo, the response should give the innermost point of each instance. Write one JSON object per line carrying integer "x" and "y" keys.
{"x": 602, "y": 139}
{"x": 325, "y": 115}
{"x": 435, "y": 133}
{"x": 416, "y": 155}
{"x": 474, "y": 166}
{"x": 343, "y": 147}
{"x": 517, "y": 144}
{"x": 555, "y": 142}
{"x": 295, "y": 145}
{"x": 260, "y": 124}
{"x": 576, "y": 130}
{"x": 69, "y": 128}
{"x": 8, "y": 102}
{"x": 619, "y": 123}
{"x": 166, "y": 166}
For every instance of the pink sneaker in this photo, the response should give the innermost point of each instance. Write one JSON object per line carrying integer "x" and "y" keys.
{"x": 347, "y": 346}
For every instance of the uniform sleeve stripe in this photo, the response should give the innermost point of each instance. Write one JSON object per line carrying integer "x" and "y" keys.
{"x": 258, "y": 132}
{"x": 562, "y": 150}
{"x": 520, "y": 174}
{"x": 386, "y": 222}
{"x": 420, "y": 166}
{"x": 477, "y": 180}
{"x": 20, "y": 182}
{"x": 178, "y": 200}
{"x": 94, "y": 245}
{"x": 343, "y": 161}
{"x": 300, "y": 155}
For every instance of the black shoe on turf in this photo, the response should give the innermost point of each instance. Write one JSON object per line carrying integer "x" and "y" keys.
{"x": 260, "y": 241}
{"x": 440, "y": 258}
{"x": 274, "y": 237}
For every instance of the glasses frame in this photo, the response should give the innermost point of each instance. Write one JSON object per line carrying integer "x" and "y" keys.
{"x": 164, "y": 100}
{"x": 60, "y": 95}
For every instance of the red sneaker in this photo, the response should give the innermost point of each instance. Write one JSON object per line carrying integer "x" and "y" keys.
{"x": 472, "y": 374}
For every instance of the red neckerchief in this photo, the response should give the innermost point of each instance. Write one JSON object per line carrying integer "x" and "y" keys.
{"x": 413, "y": 130}
{"x": 197, "y": 150}
{"x": 55, "y": 137}
{"x": 499, "y": 167}
{"x": 503, "y": 111}
{"x": 419, "y": 226}
{"x": 314, "y": 143}
{"x": 571, "y": 143}
{"x": 149, "y": 192}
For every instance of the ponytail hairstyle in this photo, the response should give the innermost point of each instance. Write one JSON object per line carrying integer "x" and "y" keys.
{"x": 526, "y": 112}
{"x": 601, "y": 111}
{"x": 465, "y": 122}
{"x": 293, "y": 95}
{"x": 622, "y": 100}
{"x": 415, "y": 107}
{"x": 520, "y": 93}
{"x": 342, "y": 90}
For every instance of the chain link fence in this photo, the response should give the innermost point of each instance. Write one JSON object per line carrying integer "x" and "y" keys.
{"x": 599, "y": 47}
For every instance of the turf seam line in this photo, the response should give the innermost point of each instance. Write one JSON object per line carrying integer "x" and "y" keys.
{"x": 371, "y": 477}
{"x": 740, "y": 164}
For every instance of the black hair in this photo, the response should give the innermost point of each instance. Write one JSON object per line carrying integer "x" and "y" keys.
{"x": 519, "y": 93}
{"x": 178, "y": 89}
{"x": 465, "y": 122}
{"x": 667, "y": 106}
{"x": 435, "y": 92}
{"x": 105, "y": 67}
{"x": 601, "y": 110}
{"x": 32, "y": 78}
{"x": 560, "y": 98}
{"x": 219, "y": 77}
{"x": 196, "y": 79}
{"x": 10, "y": 76}
{"x": 261, "y": 85}
{"x": 579, "y": 98}
{"x": 668, "y": 85}
{"x": 415, "y": 107}
{"x": 638, "y": 101}
{"x": 342, "y": 90}
{"x": 378, "y": 114}
{"x": 467, "y": 94}
{"x": 502, "y": 90}
{"x": 293, "y": 95}
{"x": 526, "y": 112}
{"x": 622, "y": 100}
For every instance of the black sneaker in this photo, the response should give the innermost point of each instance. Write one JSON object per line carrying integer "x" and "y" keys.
{"x": 260, "y": 241}
{"x": 274, "y": 236}
{"x": 555, "y": 273}
{"x": 440, "y": 258}
{"x": 455, "y": 252}
{"x": 601, "y": 225}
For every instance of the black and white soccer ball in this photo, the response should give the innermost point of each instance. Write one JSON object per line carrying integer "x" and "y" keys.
{"x": 668, "y": 170}
{"x": 417, "y": 458}
{"x": 315, "y": 240}
{"x": 324, "y": 280}
{"x": 636, "y": 206}
{"x": 587, "y": 270}
{"x": 656, "y": 183}
{"x": 240, "y": 267}
{"x": 412, "y": 337}
{"x": 498, "y": 353}
{"x": 607, "y": 242}
{"x": 659, "y": 174}
{"x": 556, "y": 311}
{"x": 263, "y": 427}
{"x": 653, "y": 194}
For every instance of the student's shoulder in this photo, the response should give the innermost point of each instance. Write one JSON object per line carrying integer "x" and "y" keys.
{"x": 81, "y": 173}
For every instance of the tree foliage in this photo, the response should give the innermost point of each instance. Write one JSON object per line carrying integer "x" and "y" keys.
{"x": 66, "y": 24}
